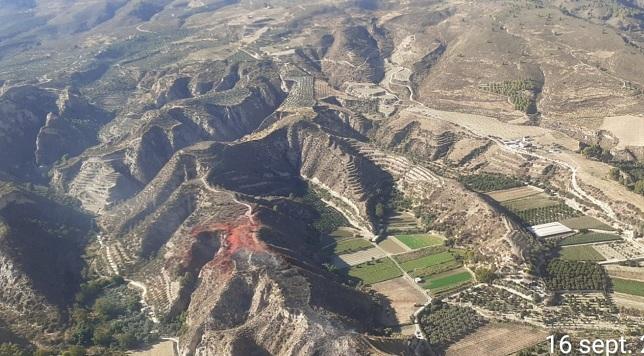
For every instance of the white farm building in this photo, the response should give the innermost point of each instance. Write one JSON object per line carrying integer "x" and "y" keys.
{"x": 549, "y": 229}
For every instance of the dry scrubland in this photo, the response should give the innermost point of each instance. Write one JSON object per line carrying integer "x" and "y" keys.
{"x": 629, "y": 130}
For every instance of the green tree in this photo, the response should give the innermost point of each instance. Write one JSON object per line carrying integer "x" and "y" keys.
{"x": 485, "y": 275}
{"x": 74, "y": 351}
{"x": 614, "y": 173}
{"x": 606, "y": 156}
{"x": 126, "y": 340}
{"x": 593, "y": 151}
{"x": 44, "y": 352}
{"x": 102, "y": 336}
{"x": 639, "y": 187}
{"x": 82, "y": 334}
{"x": 10, "y": 349}
{"x": 107, "y": 309}
{"x": 379, "y": 210}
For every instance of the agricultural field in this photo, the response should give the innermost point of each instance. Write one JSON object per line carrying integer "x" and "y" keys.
{"x": 544, "y": 215}
{"x": 514, "y": 193}
{"x": 519, "y": 92}
{"x": 588, "y": 237}
{"x": 301, "y": 95}
{"x": 625, "y": 272}
{"x": 586, "y": 222}
{"x": 627, "y": 128}
{"x": 538, "y": 201}
{"x": 373, "y": 272}
{"x": 487, "y": 182}
{"x": 348, "y": 246}
{"x": 436, "y": 269}
{"x": 444, "y": 324}
{"x": 582, "y": 309}
{"x": 416, "y": 241}
{"x": 495, "y": 299}
{"x": 497, "y": 339}
{"x": 575, "y": 275}
{"x": 402, "y": 297}
{"x": 628, "y": 286}
{"x": 630, "y": 301}
{"x": 342, "y": 232}
{"x": 533, "y": 206}
{"x": 428, "y": 251}
{"x": 448, "y": 280}
{"x": 393, "y": 246}
{"x": 330, "y": 221}
{"x": 439, "y": 267}
{"x": 402, "y": 222}
{"x": 427, "y": 261}
{"x": 580, "y": 253}
{"x": 356, "y": 258}
{"x": 620, "y": 250}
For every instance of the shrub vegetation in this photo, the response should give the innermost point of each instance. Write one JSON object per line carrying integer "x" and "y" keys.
{"x": 575, "y": 275}
{"x": 443, "y": 324}
{"x": 487, "y": 182}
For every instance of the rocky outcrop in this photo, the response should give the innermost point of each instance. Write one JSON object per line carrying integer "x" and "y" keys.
{"x": 39, "y": 127}
{"x": 69, "y": 130}
{"x": 23, "y": 112}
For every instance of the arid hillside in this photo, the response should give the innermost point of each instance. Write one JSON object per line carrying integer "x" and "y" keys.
{"x": 241, "y": 177}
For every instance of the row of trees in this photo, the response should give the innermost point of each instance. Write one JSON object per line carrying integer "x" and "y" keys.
{"x": 576, "y": 275}
{"x": 629, "y": 174}
{"x": 444, "y": 324}
{"x": 520, "y": 92}
{"x": 487, "y": 182}
{"x": 547, "y": 214}
{"x": 328, "y": 219}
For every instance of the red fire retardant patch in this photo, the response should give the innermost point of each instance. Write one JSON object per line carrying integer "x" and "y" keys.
{"x": 238, "y": 236}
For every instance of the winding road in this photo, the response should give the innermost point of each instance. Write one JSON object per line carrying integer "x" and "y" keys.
{"x": 249, "y": 208}
{"x": 140, "y": 29}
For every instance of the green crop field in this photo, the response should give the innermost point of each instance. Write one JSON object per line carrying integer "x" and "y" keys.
{"x": 374, "y": 272}
{"x": 628, "y": 286}
{"x": 586, "y": 222}
{"x": 416, "y": 254}
{"x": 544, "y": 215}
{"x": 540, "y": 201}
{"x": 427, "y": 261}
{"x": 349, "y": 246}
{"x": 448, "y": 280}
{"x": 416, "y": 241}
{"x": 436, "y": 269}
{"x": 341, "y": 233}
{"x": 588, "y": 237}
{"x": 580, "y": 253}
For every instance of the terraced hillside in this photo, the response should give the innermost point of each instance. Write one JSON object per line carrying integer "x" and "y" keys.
{"x": 267, "y": 176}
